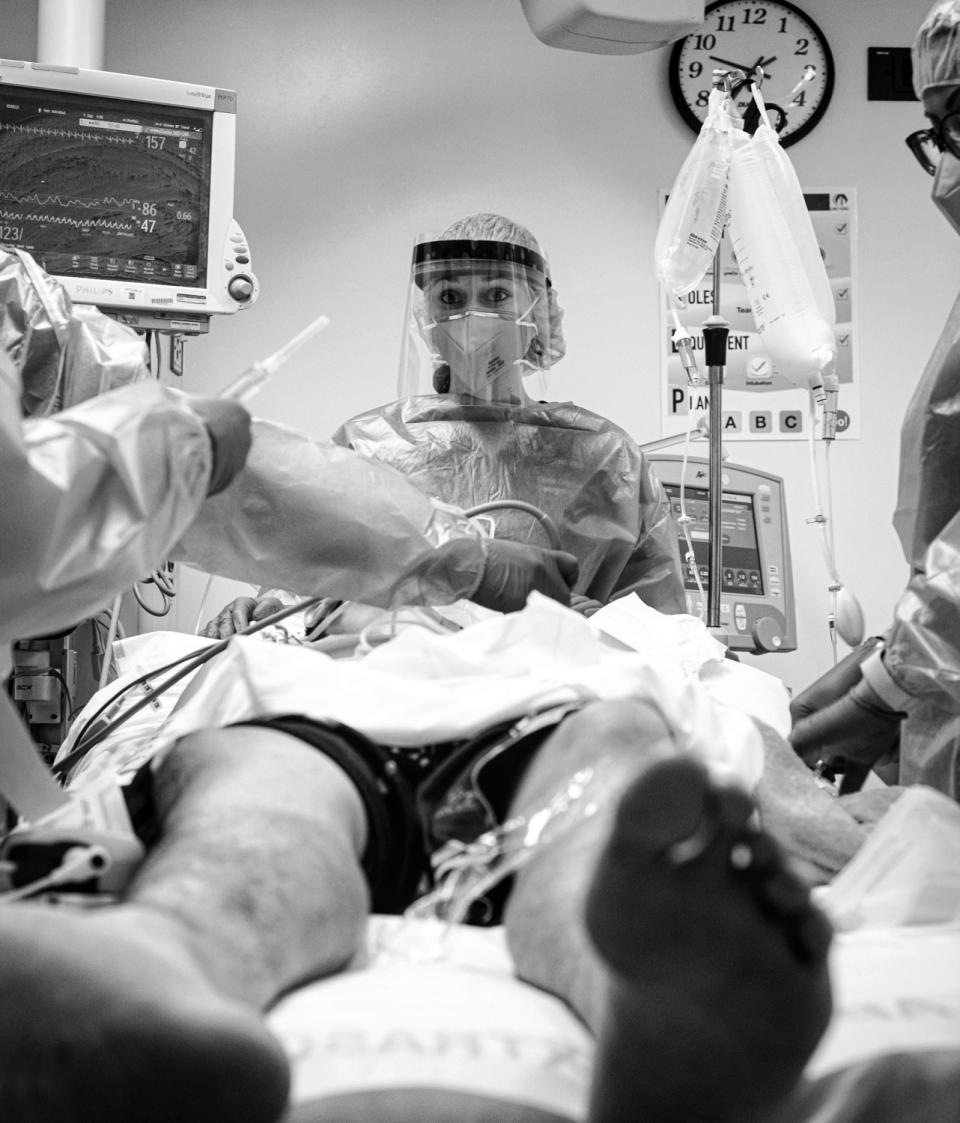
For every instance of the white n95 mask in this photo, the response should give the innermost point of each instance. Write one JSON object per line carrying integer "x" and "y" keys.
{"x": 484, "y": 352}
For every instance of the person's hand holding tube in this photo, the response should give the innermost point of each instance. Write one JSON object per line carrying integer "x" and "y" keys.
{"x": 841, "y": 722}
{"x": 513, "y": 570}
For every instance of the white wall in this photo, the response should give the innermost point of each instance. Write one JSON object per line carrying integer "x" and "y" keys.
{"x": 364, "y": 122}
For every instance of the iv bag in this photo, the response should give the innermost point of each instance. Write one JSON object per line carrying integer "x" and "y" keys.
{"x": 696, "y": 211}
{"x": 789, "y": 194}
{"x": 780, "y": 263}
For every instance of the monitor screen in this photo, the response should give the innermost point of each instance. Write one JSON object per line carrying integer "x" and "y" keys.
{"x": 740, "y": 561}
{"x": 122, "y": 188}
{"x": 117, "y": 189}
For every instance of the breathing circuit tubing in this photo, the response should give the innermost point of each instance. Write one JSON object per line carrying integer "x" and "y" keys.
{"x": 549, "y": 526}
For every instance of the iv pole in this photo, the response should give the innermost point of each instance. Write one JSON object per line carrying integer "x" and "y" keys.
{"x": 716, "y": 329}
{"x": 715, "y": 332}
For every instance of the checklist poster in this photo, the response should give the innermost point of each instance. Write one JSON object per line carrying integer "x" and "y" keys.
{"x": 758, "y": 402}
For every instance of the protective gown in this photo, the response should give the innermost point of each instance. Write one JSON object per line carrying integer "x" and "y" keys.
{"x": 94, "y": 495}
{"x": 65, "y": 353}
{"x": 583, "y": 471}
{"x": 923, "y": 645}
{"x": 93, "y": 498}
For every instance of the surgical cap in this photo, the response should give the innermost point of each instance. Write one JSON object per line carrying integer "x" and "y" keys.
{"x": 496, "y": 228}
{"x": 936, "y": 48}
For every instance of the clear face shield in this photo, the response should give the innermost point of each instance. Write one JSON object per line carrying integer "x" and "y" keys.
{"x": 477, "y": 324}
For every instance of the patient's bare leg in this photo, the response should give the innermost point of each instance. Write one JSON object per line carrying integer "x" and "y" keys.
{"x": 149, "y": 1010}
{"x": 709, "y": 990}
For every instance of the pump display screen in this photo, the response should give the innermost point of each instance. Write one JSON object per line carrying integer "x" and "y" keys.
{"x": 105, "y": 188}
{"x": 740, "y": 563}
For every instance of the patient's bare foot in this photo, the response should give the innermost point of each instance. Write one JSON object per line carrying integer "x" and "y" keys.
{"x": 719, "y": 990}
{"x": 105, "y": 1017}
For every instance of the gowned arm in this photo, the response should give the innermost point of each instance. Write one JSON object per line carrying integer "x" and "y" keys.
{"x": 94, "y": 499}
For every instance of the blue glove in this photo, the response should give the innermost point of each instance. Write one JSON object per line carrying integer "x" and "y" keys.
{"x": 228, "y": 426}
{"x": 841, "y": 721}
{"x": 513, "y": 570}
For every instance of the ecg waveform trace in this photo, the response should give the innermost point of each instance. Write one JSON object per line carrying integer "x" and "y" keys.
{"x": 85, "y": 135}
{"x": 108, "y": 201}
{"x": 66, "y": 220}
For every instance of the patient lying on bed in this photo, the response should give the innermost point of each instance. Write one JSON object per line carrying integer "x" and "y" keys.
{"x": 147, "y": 1010}
{"x": 273, "y": 836}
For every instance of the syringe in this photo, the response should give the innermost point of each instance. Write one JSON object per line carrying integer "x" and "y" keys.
{"x": 243, "y": 388}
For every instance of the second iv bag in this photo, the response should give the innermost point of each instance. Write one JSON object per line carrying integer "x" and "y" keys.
{"x": 693, "y": 220}
{"x": 780, "y": 263}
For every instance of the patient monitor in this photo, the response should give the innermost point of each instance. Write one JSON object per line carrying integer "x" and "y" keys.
{"x": 122, "y": 188}
{"x": 757, "y": 611}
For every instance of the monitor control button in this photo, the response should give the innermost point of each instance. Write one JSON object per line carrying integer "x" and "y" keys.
{"x": 766, "y": 634}
{"x": 240, "y": 288}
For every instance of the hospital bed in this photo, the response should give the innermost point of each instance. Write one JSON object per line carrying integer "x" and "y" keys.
{"x": 429, "y": 1023}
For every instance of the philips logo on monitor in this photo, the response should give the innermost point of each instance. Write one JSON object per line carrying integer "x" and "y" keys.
{"x": 93, "y": 290}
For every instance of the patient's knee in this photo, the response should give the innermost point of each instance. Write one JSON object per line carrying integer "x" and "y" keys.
{"x": 622, "y": 725}
{"x": 252, "y": 772}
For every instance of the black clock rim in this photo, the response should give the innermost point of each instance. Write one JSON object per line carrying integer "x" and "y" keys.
{"x": 694, "y": 122}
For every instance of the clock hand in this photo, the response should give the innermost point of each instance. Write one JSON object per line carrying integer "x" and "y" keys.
{"x": 761, "y": 62}
{"x": 727, "y": 62}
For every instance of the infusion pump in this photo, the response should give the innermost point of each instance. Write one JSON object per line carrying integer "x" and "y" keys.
{"x": 757, "y": 612}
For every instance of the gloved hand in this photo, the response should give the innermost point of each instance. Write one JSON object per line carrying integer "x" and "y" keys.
{"x": 239, "y": 614}
{"x": 842, "y": 721}
{"x": 513, "y": 570}
{"x": 228, "y": 425}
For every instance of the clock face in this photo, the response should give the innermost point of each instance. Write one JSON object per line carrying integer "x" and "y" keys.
{"x": 742, "y": 35}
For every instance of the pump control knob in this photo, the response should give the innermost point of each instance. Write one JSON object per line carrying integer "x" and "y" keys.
{"x": 766, "y": 634}
{"x": 240, "y": 288}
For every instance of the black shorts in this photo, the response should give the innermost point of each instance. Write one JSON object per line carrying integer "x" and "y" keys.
{"x": 415, "y": 799}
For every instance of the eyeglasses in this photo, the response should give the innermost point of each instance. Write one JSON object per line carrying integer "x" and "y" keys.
{"x": 928, "y": 144}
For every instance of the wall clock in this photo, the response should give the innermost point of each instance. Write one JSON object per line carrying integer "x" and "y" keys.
{"x": 744, "y": 34}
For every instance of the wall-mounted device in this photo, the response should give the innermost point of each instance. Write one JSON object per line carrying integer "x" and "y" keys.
{"x": 612, "y": 27}
{"x": 122, "y": 187}
{"x": 757, "y": 612}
